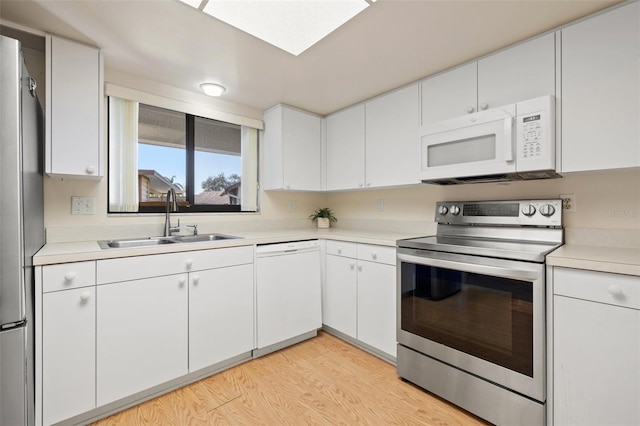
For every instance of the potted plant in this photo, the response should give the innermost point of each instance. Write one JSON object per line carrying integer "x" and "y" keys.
{"x": 324, "y": 216}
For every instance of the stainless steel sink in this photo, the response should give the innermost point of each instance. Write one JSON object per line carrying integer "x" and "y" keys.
{"x": 203, "y": 237}
{"x": 138, "y": 242}
{"x": 156, "y": 241}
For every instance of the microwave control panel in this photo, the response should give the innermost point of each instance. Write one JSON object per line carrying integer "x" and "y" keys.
{"x": 535, "y": 130}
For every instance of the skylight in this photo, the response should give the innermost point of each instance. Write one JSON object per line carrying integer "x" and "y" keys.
{"x": 291, "y": 25}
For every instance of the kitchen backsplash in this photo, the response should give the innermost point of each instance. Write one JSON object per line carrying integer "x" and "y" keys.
{"x": 607, "y": 209}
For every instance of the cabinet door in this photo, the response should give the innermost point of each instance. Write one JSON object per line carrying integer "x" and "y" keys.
{"x": 392, "y": 148}
{"x": 601, "y": 92}
{"x": 377, "y": 306}
{"x": 450, "y": 94}
{"x": 68, "y": 353}
{"x": 74, "y": 110}
{"x": 340, "y": 295}
{"x": 288, "y": 297}
{"x": 596, "y": 363}
{"x": 302, "y": 134}
{"x": 220, "y": 315}
{"x": 345, "y": 149}
{"x": 141, "y": 335}
{"x": 525, "y": 71}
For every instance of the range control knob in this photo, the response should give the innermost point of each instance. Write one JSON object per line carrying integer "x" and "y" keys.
{"x": 443, "y": 210}
{"x": 547, "y": 210}
{"x": 455, "y": 210}
{"x": 528, "y": 210}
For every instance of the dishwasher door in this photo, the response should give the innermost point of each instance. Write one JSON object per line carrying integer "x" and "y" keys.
{"x": 288, "y": 291}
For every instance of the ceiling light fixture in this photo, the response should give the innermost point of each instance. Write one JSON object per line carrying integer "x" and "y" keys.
{"x": 213, "y": 89}
{"x": 291, "y": 25}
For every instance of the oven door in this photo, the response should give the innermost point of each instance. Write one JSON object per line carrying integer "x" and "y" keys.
{"x": 485, "y": 316}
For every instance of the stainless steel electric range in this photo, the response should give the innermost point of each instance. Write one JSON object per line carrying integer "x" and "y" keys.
{"x": 471, "y": 307}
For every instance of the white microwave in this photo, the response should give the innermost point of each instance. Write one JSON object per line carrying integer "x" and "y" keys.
{"x": 512, "y": 142}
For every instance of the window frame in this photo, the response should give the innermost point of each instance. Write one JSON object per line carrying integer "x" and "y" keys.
{"x": 189, "y": 205}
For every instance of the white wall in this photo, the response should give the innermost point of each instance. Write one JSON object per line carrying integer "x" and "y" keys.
{"x": 62, "y": 226}
{"x": 605, "y": 200}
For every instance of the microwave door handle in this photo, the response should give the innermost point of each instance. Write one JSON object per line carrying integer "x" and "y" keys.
{"x": 508, "y": 133}
{"x": 518, "y": 274}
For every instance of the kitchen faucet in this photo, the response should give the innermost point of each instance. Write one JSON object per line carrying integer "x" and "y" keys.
{"x": 171, "y": 206}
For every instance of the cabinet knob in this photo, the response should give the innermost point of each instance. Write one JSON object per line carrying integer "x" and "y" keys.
{"x": 374, "y": 256}
{"x": 615, "y": 290}
{"x": 368, "y": 183}
{"x": 91, "y": 170}
{"x": 85, "y": 296}
{"x": 196, "y": 279}
{"x": 352, "y": 265}
{"x": 339, "y": 250}
{"x": 484, "y": 106}
{"x": 470, "y": 109}
{"x": 360, "y": 268}
{"x": 182, "y": 281}
{"x": 288, "y": 186}
{"x": 188, "y": 263}
{"x": 360, "y": 185}
{"x": 69, "y": 276}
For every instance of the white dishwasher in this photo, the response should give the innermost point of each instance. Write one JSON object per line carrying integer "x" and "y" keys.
{"x": 288, "y": 294}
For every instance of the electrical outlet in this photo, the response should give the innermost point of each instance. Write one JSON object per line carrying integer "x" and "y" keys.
{"x": 83, "y": 205}
{"x": 293, "y": 206}
{"x": 568, "y": 202}
{"x": 380, "y": 205}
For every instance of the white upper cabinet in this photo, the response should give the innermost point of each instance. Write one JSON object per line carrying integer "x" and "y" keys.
{"x": 522, "y": 72}
{"x": 601, "y": 92}
{"x": 375, "y": 144}
{"x": 74, "y": 112}
{"x": 292, "y": 149}
{"x": 450, "y": 94}
{"x": 525, "y": 71}
{"x": 392, "y": 124}
{"x": 345, "y": 149}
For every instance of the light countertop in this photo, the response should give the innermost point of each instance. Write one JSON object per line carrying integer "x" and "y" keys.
{"x": 603, "y": 259}
{"x": 90, "y": 250}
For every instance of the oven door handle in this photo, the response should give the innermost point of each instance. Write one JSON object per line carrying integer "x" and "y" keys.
{"x": 519, "y": 274}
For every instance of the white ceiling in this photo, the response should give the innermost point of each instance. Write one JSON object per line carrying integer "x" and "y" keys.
{"x": 391, "y": 43}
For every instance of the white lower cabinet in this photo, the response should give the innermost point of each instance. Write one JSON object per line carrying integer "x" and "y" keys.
{"x": 141, "y": 336}
{"x": 110, "y": 329}
{"x": 360, "y": 293}
{"x": 68, "y": 353}
{"x": 220, "y": 315}
{"x": 377, "y": 305}
{"x": 341, "y": 295}
{"x": 596, "y": 348}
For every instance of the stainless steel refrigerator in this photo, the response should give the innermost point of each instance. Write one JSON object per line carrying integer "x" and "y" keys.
{"x": 21, "y": 231}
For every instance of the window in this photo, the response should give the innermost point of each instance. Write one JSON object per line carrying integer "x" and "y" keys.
{"x": 211, "y": 165}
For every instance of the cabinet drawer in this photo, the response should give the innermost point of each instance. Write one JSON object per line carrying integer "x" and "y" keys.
{"x": 379, "y": 254}
{"x": 341, "y": 248}
{"x": 133, "y": 268}
{"x": 613, "y": 289}
{"x": 68, "y": 275}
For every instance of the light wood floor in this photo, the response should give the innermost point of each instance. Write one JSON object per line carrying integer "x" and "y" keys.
{"x": 321, "y": 381}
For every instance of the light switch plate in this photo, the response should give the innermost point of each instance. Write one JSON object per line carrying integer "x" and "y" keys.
{"x": 83, "y": 205}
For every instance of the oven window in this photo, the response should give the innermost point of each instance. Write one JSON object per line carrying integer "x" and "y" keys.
{"x": 484, "y": 316}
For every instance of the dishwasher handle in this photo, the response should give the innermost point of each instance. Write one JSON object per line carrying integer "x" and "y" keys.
{"x": 279, "y": 249}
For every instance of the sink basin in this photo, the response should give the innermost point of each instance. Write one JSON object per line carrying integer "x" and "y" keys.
{"x": 156, "y": 241}
{"x": 203, "y": 237}
{"x": 138, "y": 242}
